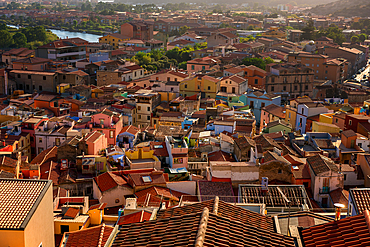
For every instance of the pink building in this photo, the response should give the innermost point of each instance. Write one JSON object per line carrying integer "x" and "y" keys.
{"x": 95, "y": 142}
{"x": 109, "y": 123}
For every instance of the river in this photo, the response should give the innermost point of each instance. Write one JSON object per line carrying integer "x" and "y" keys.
{"x": 64, "y": 34}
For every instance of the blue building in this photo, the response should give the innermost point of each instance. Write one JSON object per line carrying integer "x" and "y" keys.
{"x": 257, "y": 100}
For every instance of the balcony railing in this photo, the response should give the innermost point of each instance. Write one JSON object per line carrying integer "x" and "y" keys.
{"x": 324, "y": 190}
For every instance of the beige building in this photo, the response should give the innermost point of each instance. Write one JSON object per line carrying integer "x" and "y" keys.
{"x": 26, "y": 217}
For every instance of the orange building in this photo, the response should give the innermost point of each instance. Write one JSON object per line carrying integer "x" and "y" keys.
{"x": 325, "y": 68}
{"x": 256, "y": 76}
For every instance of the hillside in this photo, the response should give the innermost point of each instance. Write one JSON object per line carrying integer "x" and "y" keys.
{"x": 347, "y": 8}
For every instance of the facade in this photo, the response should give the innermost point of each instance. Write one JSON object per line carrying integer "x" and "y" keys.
{"x": 324, "y": 67}
{"x": 325, "y": 177}
{"x": 113, "y": 39}
{"x": 234, "y": 84}
{"x": 204, "y": 85}
{"x": 31, "y": 81}
{"x": 257, "y": 100}
{"x": 145, "y": 104}
{"x": 137, "y": 30}
{"x": 306, "y": 110}
{"x": 256, "y": 77}
{"x": 290, "y": 80}
{"x": 63, "y": 50}
{"x": 109, "y": 123}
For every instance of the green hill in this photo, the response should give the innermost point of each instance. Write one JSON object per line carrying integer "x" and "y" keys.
{"x": 346, "y": 8}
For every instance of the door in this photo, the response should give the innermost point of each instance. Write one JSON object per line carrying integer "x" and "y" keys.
{"x": 324, "y": 202}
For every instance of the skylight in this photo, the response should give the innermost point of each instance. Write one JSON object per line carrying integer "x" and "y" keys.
{"x": 147, "y": 179}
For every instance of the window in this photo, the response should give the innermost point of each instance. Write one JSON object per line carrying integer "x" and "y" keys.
{"x": 306, "y": 87}
{"x": 64, "y": 228}
{"x": 209, "y": 88}
{"x": 85, "y": 167}
{"x": 186, "y": 86}
{"x": 192, "y": 67}
{"x": 256, "y": 81}
{"x": 57, "y": 141}
{"x": 148, "y": 117}
{"x": 233, "y": 90}
{"x": 148, "y": 108}
{"x": 272, "y": 79}
{"x": 203, "y": 67}
{"x": 262, "y": 105}
{"x": 295, "y": 88}
{"x": 111, "y": 134}
{"x": 336, "y": 120}
{"x": 19, "y": 76}
{"x": 139, "y": 116}
{"x": 41, "y": 150}
{"x": 139, "y": 108}
{"x": 29, "y": 77}
{"x": 44, "y": 78}
{"x": 101, "y": 121}
{"x": 27, "y": 87}
{"x": 326, "y": 71}
{"x": 280, "y": 171}
{"x": 64, "y": 77}
{"x": 40, "y": 140}
{"x": 289, "y": 115}
{"x": 40, "y": 88}
{"x": 350, "y": 122}
{"x": 284, "y": 88}
{"x": 116, "y": 201}
{"x": 168, "y": 79}
{"x": 360, "y": 145}
{"x": 272, "y": 89}
{"x": 302, "y": 111}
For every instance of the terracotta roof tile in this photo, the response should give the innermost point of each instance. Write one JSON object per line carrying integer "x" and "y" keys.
{"x": 351, "y": 231}
{"x": 200, "y": 227}
{"x": 18, "y": 200}
{"x": 93, "y": 236}
{"x": 109, "y": 180}
{"x": 361, "y": 199}
{"x": 157, "y": 178}
{"x": 71, "y": 213}
{"x": 100, "y": 206}
{"x": 320, "y": 163}
{"x": 134, "y": 217}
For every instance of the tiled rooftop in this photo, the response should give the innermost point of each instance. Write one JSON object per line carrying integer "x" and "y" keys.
{"x": 197, "y": 229}
{"x": 19, "y": 199}
{"x": 224, "y": 209}
{"x": 93, "y": 236}
{"x": 352, "y": 231}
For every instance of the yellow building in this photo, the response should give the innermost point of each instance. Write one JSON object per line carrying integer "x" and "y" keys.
{"x": 113, "y": 39}
{"x": 27, "y": 213}
{"x": 290, "y": 115}
{"x": 324, "y": 127}
{"x": 326, "y": 118}
{"x": 96, "y": 213}
{"x": 204, "y": 85}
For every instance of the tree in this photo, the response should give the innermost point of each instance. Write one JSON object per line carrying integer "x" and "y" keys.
{"x": 5, "y": 39}
{"x": 354, "y": 39}
{"x": 308, "y": 31}
{"x": 20, "y": 39}
{"x": 258, "y": 62}
{"x": 362, "y": 37}
{"x": 268, "y": 60}
{"x": 75, "y": 23}
{"x": 183, "y": 30}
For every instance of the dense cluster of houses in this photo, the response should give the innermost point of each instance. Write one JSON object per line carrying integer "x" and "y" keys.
{"x": 98, "y": 151}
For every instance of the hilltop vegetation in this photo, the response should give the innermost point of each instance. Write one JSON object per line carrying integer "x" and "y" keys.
{"x": 347, "y": 8}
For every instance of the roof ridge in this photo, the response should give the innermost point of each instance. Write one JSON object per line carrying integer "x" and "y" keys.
{"x": 101, "y": 235}
{"x": 199, "y": 241}
{"x": 367, "y": 218}
{"x": 215, "y": 205}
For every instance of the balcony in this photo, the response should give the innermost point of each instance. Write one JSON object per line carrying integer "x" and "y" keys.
{"x": 324, "y": 190}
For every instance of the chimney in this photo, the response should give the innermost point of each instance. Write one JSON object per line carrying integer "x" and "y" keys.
{"x": 338, "y": 208}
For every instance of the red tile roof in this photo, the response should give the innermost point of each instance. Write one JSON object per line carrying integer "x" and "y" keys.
{"x": 208, "y": 190}
{"x": 109, "y": 180}
{"x": 230, "y": 211}
{"x": 134, "y": 217}
{"x": 71, "y": 213}
{"x": 202, "y": 228}
{"x": 361, "y": 199}
{"x": 8, "y": 162}
{"x": 157, "y": 178}
{"x": 98, "y": 206}
{"x": 19, "y": 199}
{"x": 93, "y": 236}
{"x": 130, "y": 129}
{"x": 351, "y": 231}
{"x": 93, "y": 136}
